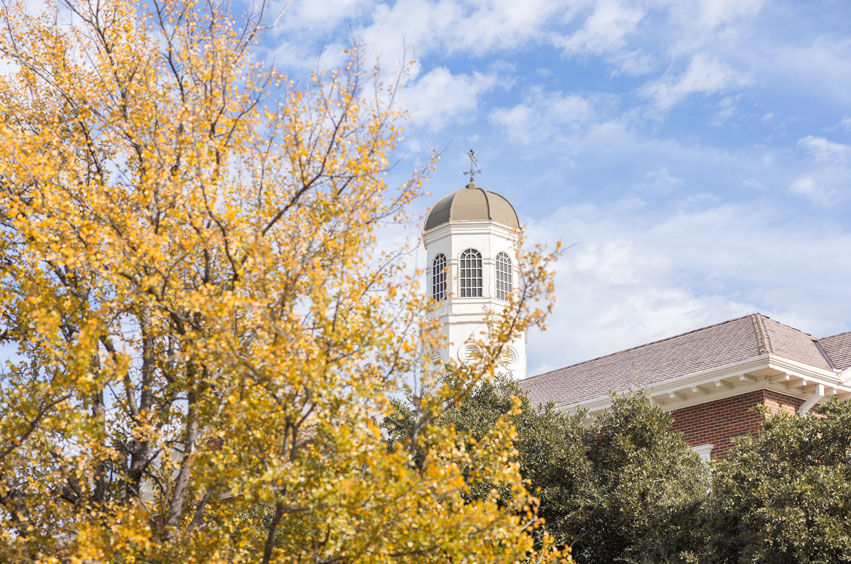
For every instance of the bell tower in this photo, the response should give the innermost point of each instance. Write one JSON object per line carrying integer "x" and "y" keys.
{"x": 471, "y": 240}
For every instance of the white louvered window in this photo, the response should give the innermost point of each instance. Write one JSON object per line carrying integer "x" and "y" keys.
{"x": 509, "y": 358}
{"x": 503, "y": 276}
{"x": 438, "y": 278}
{"x": 469, "y": 353}
{"x": 471, "y": 274}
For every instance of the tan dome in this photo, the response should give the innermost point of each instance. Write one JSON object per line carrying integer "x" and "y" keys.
{"x": 472, "y": 204}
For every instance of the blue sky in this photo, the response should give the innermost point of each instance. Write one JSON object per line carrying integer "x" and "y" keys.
{"x": 696, "y": 152}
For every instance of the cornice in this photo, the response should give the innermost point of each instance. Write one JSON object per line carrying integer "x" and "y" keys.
{"x": 805, "y": 370}
{"x": 460, "y": 227}
{"x": 766, "y": 371}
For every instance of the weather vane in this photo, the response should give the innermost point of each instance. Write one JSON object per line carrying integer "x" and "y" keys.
{"x": 474, "y": 166}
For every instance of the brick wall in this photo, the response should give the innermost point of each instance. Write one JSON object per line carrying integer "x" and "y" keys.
{"x": 780, "y": 403}
{"x": 717, "y": 422}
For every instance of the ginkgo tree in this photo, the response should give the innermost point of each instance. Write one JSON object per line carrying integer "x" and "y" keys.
{"x": 201, "y": 336}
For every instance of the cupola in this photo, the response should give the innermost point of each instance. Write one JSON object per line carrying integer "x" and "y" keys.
{"x": 472, "y": 203}
{"x": 472, "y": 239}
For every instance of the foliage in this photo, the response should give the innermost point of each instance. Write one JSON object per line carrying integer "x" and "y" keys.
{"x": 785, "y": 496}
{"x": 620, "y": 488}
{"x": 202, "y": 323}
{"x": 643, "y": 496}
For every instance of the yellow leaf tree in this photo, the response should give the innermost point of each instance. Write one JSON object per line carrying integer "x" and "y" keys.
{"x": 203, "y": 338}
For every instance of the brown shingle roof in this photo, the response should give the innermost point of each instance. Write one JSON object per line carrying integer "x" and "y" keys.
{"x": 838, "y": 348}
{"x": 793, "y": 344}
{"x": 710, "y": 347}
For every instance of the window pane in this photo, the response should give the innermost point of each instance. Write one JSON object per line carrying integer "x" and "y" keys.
{"x": 471, "y": 274}
{"x": 503, "y": 276}
{"x": 438, "y": 278}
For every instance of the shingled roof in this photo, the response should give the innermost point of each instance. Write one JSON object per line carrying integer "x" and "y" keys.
{"x": 838, "y": 348}
{"x": 702, "y": 349}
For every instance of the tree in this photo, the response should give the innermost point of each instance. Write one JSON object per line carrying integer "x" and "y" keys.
{"x": 205, "y": 335}
{"x": 785, "y": 496}
{"x": 620, "y": 488}
{"x": 643, "y": 497}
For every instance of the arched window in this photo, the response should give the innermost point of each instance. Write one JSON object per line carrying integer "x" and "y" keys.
{"x": 471, "y": 274}
{"x": 438, "y": 278}
{"x": 503, "y": 276}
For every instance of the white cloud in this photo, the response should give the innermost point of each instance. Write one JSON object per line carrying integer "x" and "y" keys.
{"x": 703, "y": 17}
{"x": 407, "y": 24}
{"x": 720, "y": 26}
{"x": 726, "y": 109}
{"x": 807, "y": 187}
{"x": 820, "y": 67}
{"x": 661, "y": 181}
{"x": 319, "y": 17}
{"x": 823, "y": 150}
{"x": 631, "y": 62}
{"x": 438, "y": 97}
{"x": 518, "y": 121}
{"x": 542, "y": 114}
{"x": 600, "y": 133}
{"x": 505, "y": 24}
{"x": 828, "y": 180}
{"x": 713, "y": 13}
{"x": 636, "y": 277}
{"x": 452, "y": 26}
{"x": 704, "y": 75}
{"x": 605, "y": 30}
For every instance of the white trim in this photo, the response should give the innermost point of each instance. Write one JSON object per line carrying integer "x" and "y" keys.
{"x": 812, "y": 400}
{"x": 704, "y": 451}
{"x": 470, "y": 227}
{"x": 762, "y": 372}
{"x": 802, "y": 369}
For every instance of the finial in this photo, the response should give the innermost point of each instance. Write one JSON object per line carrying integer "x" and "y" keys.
{"x": 474, "y": 168}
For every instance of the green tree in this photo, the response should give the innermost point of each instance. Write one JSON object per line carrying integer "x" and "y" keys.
{"x": 785, "y": 496}
{"x": 642, "y": 499}
{"x": 620, "y": 488}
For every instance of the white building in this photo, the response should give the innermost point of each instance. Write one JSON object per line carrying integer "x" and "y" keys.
{"x": 471, "y": 240}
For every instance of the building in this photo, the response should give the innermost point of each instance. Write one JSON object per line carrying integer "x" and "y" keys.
{"x": 471, "y": 239}
{"x": 711, "y": 378}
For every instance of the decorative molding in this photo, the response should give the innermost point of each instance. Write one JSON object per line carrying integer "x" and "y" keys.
{"x": 704, "y": 451}
{"x": 764, "y": 372}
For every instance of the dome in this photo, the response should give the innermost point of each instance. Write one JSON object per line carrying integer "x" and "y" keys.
{"x": 472, "y": 203}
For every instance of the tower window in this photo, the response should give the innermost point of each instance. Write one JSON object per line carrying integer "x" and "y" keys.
{"x": 438, "y": 278}
{"x": 503, "y": 276}
{"x": 471, "y": 274}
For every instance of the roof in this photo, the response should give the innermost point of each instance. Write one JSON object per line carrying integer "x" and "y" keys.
{"x": 472, "y": 203}
{"x": 702, "y": 349}
{"x": 838, "y": 348}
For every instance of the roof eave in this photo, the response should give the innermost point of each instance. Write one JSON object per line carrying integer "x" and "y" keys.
{"x": 766, "y": 371}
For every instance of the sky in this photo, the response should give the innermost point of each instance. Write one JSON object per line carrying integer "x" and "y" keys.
{"x": 693, "y": 155}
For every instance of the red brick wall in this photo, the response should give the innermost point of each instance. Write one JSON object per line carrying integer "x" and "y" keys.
{"x": 717, "y": 422}
{"x": 778, "y": 402}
